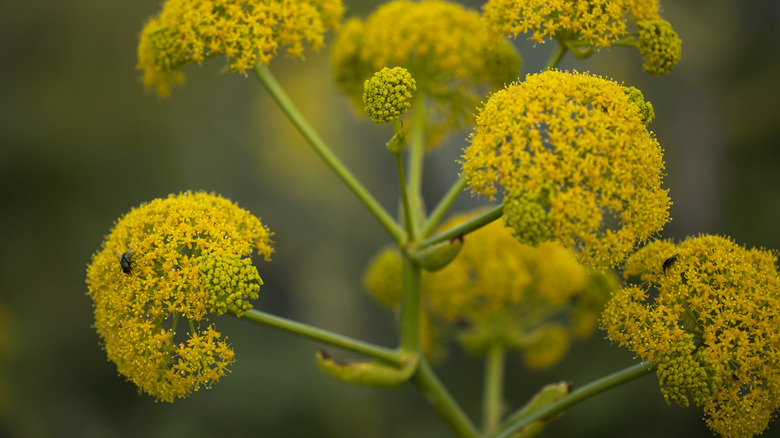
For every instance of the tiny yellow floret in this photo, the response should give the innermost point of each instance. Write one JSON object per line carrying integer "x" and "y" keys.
{"x": 190, "y": 257}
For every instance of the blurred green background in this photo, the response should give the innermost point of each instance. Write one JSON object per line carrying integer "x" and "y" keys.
{"x": 81, "y": 143}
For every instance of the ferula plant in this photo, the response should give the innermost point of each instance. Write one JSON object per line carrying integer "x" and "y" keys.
{"x": 572, "y": 244}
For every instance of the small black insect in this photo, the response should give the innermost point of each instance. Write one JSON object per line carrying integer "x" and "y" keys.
{"x": 126, "y": 261}
{"x": 669, "y": 262}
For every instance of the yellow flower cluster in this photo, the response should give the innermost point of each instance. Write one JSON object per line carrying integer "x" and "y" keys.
{"x": 388, "y": 93}
{"x": 575, "y": 161}
{"x": 443, "y": 45}
{"x": 245, "y": 31}
{"x": 498, "y": 290}
{"x": 154, "y": 271}
{"x": 596, "y": 21}
{"x": 719, "y": 303}
{"x": 599, "y": 23}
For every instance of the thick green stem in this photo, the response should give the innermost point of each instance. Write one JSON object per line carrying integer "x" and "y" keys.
{"x": 442, "y": 401}
{"x": 443, "y": 207}
{"x": 556, "y": 56}
{"x": 466, "y": 227}
{"x": 410, "y": 306}
{"x": 323, "y": 336}
{"x": 311, "y": 136}
{"x": 416, "y": 159}
{"x": 407, "y": 212}
{"x": 493, "y": 395}
{"x": 517, "y": 421}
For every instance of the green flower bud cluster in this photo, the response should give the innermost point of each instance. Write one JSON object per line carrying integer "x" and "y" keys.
{"x": 528, "y": 215}
{"x": 686, "y": 374}
{"x": 230, "y": 281}
{"x": 646, "y": 112}
{"x": 659, "y": 45}
{"x": 387, "y": 95}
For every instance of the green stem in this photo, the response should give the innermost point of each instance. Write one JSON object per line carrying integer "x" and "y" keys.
{"x": 416, "y": 158}
{"x": 399, "y": 166}
{"x": 320, "y": 335}
{"x": 470, "y": 225}
{"x": 442, "y": 401}
{"x": 443, "y": 207}
{"x": 556, "y": 56}
{"x": 494, "y": 382}
{"x": 410, "y": 306}
{"x": 311, "y": 136}
{"x": 517, "y": 422}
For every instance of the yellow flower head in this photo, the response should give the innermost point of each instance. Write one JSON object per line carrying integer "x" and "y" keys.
{"x": 388, "y": 93}
{"x": 505, "y": 292}
{"x": 599, "y": 23}
{"x": 443, "y": 45}
{"x": 498, "y": 290}
{"x": 382, "y": 278}
{"x": 575, "y": 161}
{"x": 163, "y": 268}
{"x": 245, "y": 31}
{"x": 713, "y": 327}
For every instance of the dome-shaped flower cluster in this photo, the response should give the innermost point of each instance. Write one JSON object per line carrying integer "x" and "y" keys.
{"x": 245, "y": 31}
{"x": 387, "y": 95}
{"x": 591, "y": 23}
{"x": 163, "y": 268}
{"x": 443, "y": 45}
{"x": 575, "y": 162}
{"x": 713, "y": 327}
{"x": 498, "y": 290}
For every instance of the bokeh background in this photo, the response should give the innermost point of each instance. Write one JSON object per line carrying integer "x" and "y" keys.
{"x": 81, "y": 143}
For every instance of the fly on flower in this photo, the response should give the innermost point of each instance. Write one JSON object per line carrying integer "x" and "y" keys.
{"x": 126, "y": 261}
{"x": 669, "y": 262}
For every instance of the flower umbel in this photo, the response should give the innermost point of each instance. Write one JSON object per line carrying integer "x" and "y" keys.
{"x": 499, "y": 291}
{"x": 713, "y": 328}
{"x": 577, "y": 146}
{"x": 443, "y": 45}
{"x": 597, "y": 21}
{"x": 388, "y": 93}
{"x": 591, "y": 23}
{"x": 660, "y": 46}
{"x": 245, "y": 31}
{"x": 190, "y": 257}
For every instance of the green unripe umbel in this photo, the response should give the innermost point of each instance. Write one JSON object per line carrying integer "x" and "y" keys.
{"x": 387, "y": 95}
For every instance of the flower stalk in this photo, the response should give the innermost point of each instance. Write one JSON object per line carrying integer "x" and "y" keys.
{"x": 517, "y": 422}
{"x": 312, "y": 137}
{"x": 493, "y": 394}
{"x": 321, "y": 335}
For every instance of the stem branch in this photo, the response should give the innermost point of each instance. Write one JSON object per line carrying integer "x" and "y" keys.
{"x": 517, "y": 421}
{"x": 442, "y": 401}
{"x": 443, "y": 207}
{"x": 280, "y": 97}
{"x": 470, "y": 225}
{"x": 320, "y": 335}
{"x": 494, "y": 380}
